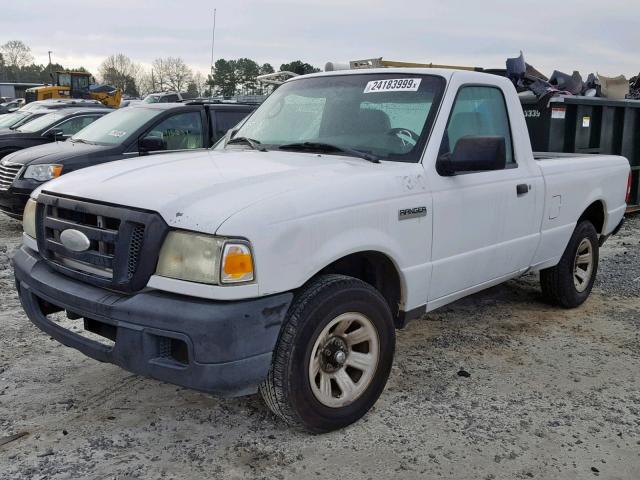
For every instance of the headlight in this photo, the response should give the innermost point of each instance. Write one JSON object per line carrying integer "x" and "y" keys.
{"x": 29, "y": 218}
{"x": 43, "y": 173}
{"x": 203, "y": 258}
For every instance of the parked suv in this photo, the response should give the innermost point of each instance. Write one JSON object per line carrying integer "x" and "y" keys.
{"x": 140, "y": 129}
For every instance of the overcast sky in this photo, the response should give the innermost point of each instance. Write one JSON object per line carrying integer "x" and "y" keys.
{"x": 587, "y": 35}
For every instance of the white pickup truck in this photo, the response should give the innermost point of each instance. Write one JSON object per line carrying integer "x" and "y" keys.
{"x": 285, "y": 258}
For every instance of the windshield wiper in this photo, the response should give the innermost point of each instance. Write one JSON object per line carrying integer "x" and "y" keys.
{"x": 327, "y": 147}
{"x": 80, "y": 140}
{"x": 255, "y": 144}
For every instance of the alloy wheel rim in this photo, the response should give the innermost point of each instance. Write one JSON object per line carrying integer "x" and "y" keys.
{"x": 583, "y": 265}
{"x": 344, "y": 360}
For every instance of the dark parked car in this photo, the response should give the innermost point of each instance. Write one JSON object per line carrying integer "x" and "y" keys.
{"x": 53, "y": 125}
{"x": 15, "y": 119}
{"x": 140, "y": 129}
{"x": 33, "y": 110}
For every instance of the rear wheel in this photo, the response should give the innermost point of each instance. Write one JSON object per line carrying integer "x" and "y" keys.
{"x": 570, "y": 282}
{"x": 333, "y": 356}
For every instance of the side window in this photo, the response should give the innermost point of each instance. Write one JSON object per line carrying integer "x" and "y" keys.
{"x": 478, "y": 111}
{"x": 74, "y": 125}
{"x": 225, "y": 120}
{"x": 182, "y": 131}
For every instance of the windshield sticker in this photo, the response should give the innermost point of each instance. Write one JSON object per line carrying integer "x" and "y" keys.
{"x": 117, "y": 133}
{"x": 393, "y": 85}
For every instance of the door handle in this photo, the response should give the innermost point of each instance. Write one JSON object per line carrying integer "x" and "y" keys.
{"x": 522, "y": 189}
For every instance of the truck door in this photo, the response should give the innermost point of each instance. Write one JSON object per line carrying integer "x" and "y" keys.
{"x": 484, "y": 223}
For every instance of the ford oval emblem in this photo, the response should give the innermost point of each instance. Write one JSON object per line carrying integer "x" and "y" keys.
{"x": 75, "y": 240}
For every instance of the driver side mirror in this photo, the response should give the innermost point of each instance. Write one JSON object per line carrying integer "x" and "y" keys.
{"x": 474, "y": 154}
{"x": 55, "y": 133}
{"x": 151, "y": 144}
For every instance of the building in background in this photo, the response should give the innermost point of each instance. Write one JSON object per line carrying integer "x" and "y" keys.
{"x": 15, "y": 89}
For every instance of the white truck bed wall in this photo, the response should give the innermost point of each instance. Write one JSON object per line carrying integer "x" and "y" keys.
{"x": 572, "y": 184}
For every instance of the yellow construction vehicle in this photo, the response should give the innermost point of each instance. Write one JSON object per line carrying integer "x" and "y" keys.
{"x": 75, "y": 85}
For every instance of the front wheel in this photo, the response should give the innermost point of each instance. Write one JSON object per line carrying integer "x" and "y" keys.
{"x": 570, "y": 282}
{"x": 333, "y": 357}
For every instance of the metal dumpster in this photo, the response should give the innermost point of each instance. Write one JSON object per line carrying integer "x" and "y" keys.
{"x": 588, "y": 125}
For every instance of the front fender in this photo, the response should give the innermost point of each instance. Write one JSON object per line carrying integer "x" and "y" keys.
{"x": 290, "y": 252}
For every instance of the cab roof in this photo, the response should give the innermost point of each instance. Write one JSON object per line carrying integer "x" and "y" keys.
{"x": 468, "y": 76}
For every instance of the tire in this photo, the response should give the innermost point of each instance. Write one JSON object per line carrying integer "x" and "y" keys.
{"x": 562, "y": 284}
{"x": 312, "y": 337}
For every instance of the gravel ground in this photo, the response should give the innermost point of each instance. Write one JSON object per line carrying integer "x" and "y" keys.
{"x": 552, "y": 394}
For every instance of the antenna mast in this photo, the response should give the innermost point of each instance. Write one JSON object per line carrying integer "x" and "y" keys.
{"x": 213, "y": 38}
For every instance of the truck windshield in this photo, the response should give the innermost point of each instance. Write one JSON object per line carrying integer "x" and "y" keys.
{"x": 387, "y": 115}
{"x": 116, "y": 127}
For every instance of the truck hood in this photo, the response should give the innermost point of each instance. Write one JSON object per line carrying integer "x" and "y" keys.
{"x": 55, "y": 152}
{"x": 200, "y": 190}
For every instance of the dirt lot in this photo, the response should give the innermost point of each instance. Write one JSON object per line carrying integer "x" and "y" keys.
{"x": 552, "y": 394}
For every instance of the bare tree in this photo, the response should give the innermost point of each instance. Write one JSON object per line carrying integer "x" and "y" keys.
{"x": 201, "y": 83}
{"x": 178, "y": 72}
{"x": 145, "y": 81}
{"x": 171, "y": 73}
{"x": 160, "y": 74}
{"x": 120, "y": 71}
{"x": 16, "y": 54}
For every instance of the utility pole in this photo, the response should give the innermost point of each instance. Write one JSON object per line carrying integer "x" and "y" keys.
{"x": 213, "y": 38}
{"x": 50, "y": 66}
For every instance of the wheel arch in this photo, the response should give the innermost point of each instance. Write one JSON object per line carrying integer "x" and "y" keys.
{"x": 377, "y": 269}
{"x": 596, "y": 213}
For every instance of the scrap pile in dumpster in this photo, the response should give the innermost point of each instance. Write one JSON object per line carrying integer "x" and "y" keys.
{"x": 529, "y": 81}
{"x": 634, "y": 84}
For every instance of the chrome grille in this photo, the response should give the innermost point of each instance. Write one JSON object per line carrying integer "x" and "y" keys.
{"x": 8, "y": 173}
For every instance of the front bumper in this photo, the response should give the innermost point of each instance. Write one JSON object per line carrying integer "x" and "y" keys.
{"x": 13, "y": 200}
{"x": 13, "y": 203}
{"x": 218, "y": 347}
